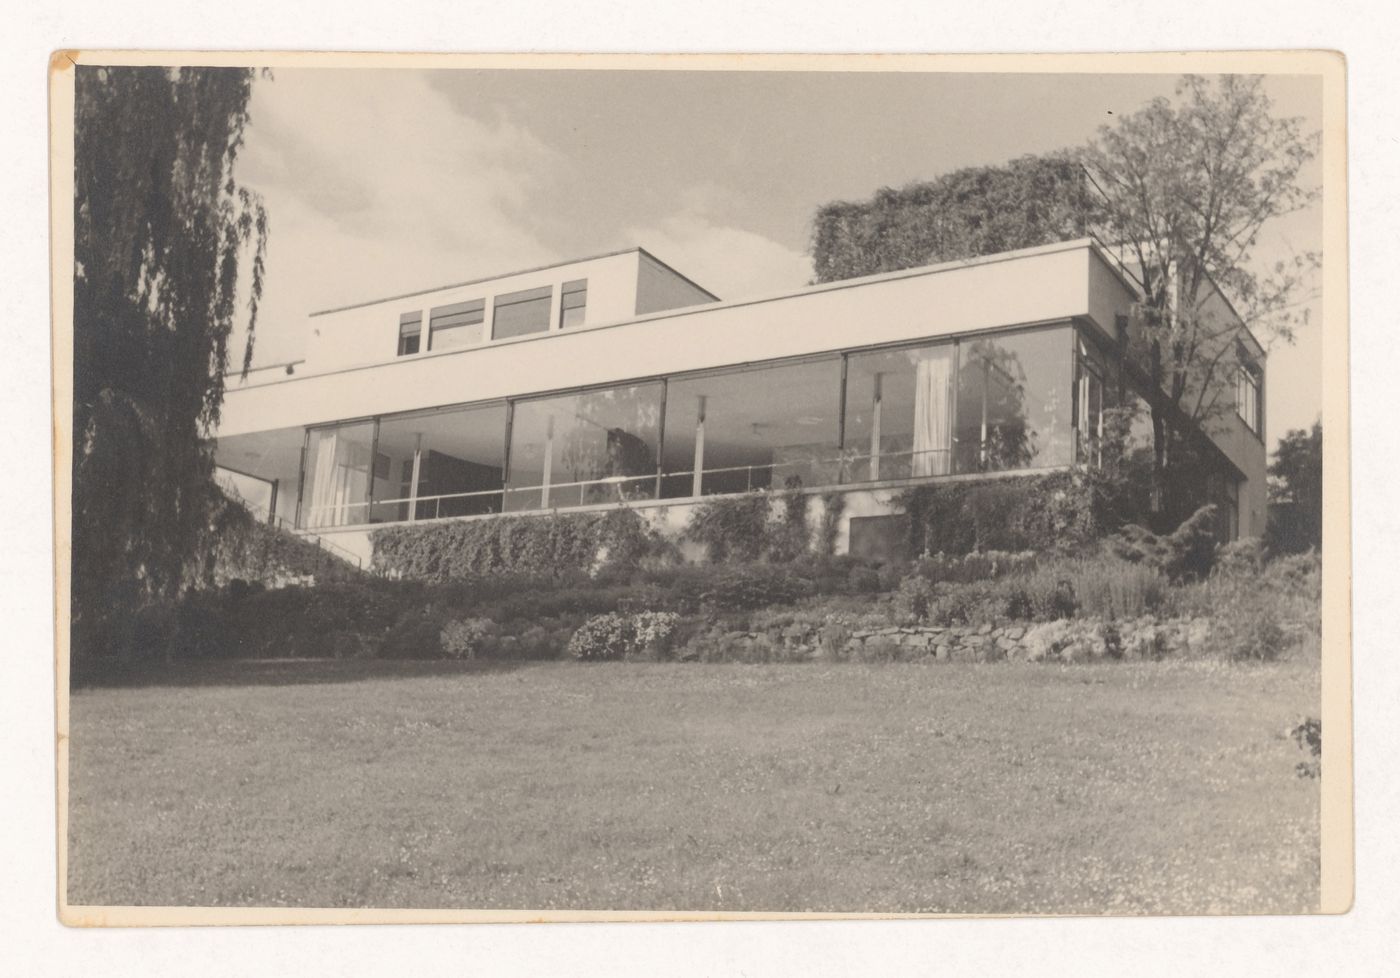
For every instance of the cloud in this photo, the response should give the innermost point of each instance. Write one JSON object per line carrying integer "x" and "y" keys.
{"x": 375, "y": 185}
{"x": 732, "y": 262}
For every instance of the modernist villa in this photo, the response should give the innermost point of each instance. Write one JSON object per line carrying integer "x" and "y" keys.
{"x": 616, "y": 380}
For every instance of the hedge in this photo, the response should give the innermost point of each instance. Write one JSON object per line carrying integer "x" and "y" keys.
{"x": 556, "y": 544}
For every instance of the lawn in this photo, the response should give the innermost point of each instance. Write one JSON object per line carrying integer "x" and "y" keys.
{"x": 947, "y": 787}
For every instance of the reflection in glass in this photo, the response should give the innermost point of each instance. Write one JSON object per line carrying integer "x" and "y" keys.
{"x": 440, "y": 463}
{"x": 1013, "y": 402}
{"x": 899, "y": 413}
{"x": 338, "y": 473}
{"x": 592, "y": 447}
{"x": 761, "y": 428}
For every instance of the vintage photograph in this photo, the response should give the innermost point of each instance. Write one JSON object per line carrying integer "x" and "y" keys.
{"x": 694, "y": 487}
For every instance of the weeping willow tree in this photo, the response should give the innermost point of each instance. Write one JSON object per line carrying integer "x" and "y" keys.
{"x": 161, "y": 229}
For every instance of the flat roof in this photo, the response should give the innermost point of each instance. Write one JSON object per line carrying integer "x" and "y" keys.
{"x": 520, "y": 271}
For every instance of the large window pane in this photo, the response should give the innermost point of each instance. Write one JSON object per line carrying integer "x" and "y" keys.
{"x": 899, "y": 413}
{"x": 770, "y": 427}
{"x": 338, "y": 468}
{"x": 458, "y": 324}
{"x": 519, "y": 313}
{"x": 1013, "y": 401}
{"x": 592, "y": 447}
{"x": 460, "y": 462}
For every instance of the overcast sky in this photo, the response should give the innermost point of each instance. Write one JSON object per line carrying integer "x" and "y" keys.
{"x": 389, "y": 181}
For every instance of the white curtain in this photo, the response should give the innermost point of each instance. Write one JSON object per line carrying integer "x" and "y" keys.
{"x": 931, "y": 429}
{"x": 340, "y": 481}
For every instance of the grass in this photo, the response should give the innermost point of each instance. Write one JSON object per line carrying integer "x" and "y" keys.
{"x": 1117, "y": 787}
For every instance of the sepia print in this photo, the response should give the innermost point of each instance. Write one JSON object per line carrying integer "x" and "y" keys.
{"x": 542, "y": 488}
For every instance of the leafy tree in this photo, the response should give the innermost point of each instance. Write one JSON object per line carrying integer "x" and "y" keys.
{"x": 1181, "y": 189}
{"x": 160, "y": 230}
{"x": 1187, "y": 186}
{"x": 1295, "y": 492}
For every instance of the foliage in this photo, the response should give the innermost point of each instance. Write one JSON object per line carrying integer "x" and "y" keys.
{"x": 417, "y": 634}
{"x": 914, "y": 598}
{"x": 242, "y": 547}
{"x": 615, "y": 636}
{"x": 1031, "y": 201}
{"x": 160, "y": 229}
{"x": 1188, "y": 551}
{"x": 1307, "y": 734}
{"x": 976, "y": 566}
{"x": 1187, "y": 187}
{"x": 463, "y": 638}
{"x": 833, "y": 508}
{"x": 555, "y": 544}
{"x": 752, "y": 587}
{"x": 1295, "y": 492}
{"x": 1047, "y": 512}
{"x": 732, "y": 528}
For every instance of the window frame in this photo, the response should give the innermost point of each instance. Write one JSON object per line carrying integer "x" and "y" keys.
{"x": 415, "y": 320}
{"x": 1249, "y": 391}
{"x": 569, "y": 289}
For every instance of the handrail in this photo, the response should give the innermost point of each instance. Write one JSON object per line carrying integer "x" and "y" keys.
{"x": 844, "y": 462}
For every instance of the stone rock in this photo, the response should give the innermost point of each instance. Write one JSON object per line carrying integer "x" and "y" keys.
{"x": 1046, "y": 640}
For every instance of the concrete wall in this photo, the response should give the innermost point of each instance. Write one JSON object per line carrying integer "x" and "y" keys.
{"x": 660, "y": 287}
{"x": 369, "y": 333}
{"x": 1038, "y": 285}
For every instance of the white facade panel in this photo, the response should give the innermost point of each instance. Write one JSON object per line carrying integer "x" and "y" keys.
{"x": 1041, "y": 285}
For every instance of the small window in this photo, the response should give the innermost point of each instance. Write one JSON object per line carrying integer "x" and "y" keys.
{"x": 410, "y": 332}
{"x": 1247, "y": 397}
{"x": 459, "y": 324}
{"x": 572, "y": 302}
{"x": 521, "y": 313}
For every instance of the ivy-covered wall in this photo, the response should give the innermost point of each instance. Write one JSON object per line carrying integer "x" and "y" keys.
{"x": 556, "y": 544}
{"x": 1030, "y": 201}
{"x": 1033, "y": 512}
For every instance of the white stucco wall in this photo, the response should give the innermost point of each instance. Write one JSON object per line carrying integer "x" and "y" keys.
{"x": 1039, "y": 285}
{"x": 369, "y": 333}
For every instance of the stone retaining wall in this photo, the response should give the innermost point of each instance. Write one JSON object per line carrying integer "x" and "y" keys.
{"x": 1062, "y": 641}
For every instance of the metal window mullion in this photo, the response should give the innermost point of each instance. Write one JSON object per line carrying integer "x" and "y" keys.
{"x": 373, "y": 458}
{"x": 301, "y": 476}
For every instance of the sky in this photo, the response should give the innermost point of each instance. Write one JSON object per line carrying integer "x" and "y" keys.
{"x": 380, "y": 182}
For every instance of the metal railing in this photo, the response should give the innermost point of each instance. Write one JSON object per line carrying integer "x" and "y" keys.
{"x": 851, "y": 468}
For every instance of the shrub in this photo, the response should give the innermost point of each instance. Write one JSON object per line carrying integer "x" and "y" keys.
{"x": 1013, "y": 513}
{"x": 975, "y": 603}
{"x": 417, "y": 634}
{"x": 977, "y": 566}
{"x": 614, "y": 636}
{"x": 753, "y": 587}
{"x": 463, "y": 638}
{"x": 1186, "y": 552}
{"x": 914, "y": 599}
{"x": 731, "y": 527}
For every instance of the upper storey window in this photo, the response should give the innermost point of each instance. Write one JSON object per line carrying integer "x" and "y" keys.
{"x": 459, "y": 324}
{"x": 1247, "y": 396}
{"x": 573, "y": 300}
{"x": 521, "y": 313}
{"x": 410, "y": 332}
